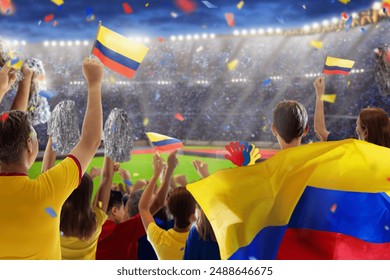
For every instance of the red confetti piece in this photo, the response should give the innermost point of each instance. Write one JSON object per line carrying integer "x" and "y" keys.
{"x": 49, "y": 18}
{"x": 160, "y": 39}
{"x": 55, "y": 23}
{"x": 344, "y": 15}
{"x": 333, "y": 208}
{"x": 230, "y": 19}
{"x": 187, "y": 6}
{"x": 4, "y": 117}
{"x": 179, "y": 117}
{"x": 127, "y": 8}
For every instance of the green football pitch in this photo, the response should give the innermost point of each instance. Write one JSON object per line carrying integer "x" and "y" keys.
{"x": 140, "y": 167}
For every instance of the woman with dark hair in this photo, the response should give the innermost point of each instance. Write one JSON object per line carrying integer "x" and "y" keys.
{"x": 168, "y": 244}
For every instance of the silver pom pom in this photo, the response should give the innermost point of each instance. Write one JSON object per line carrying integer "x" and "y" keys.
{"x": 5, "y": 56}
{"x": 64, "y": 127}
{"x": 118, "y": 136}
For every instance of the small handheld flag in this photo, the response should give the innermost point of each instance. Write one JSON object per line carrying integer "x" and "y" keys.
{"x": 118, "y": 53}
{"x": 162, "y": 142}
{"x": 334, "y": 66}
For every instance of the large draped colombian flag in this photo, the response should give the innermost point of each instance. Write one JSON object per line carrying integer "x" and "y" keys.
{"x": 319, "y": 201}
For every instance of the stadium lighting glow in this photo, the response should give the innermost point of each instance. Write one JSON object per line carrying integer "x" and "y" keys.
{"x": 306, "y": 28}
{"x": 196, "y": 37}
{"x": 180, "y": 38}
{"x": 212, "y": 35}
{"x": 325, "y": 22}
{"x": 377, "y": 6}
{"x": 15, "y": 43}
{"x": 138, "y": 39}
{"x": 69, "y": 43}
{"x": 278, "y": 30}
{"x": 77, "y": 43}
{"x": 244, "y": 32}
{"x": 173, "y": 38}
{"x": 335, "y": 20}
{"x": 252, "y": 32}
{"x": 189, "y": 37}
{"x": 204, "y": 36}
{"x": 46, "y": 43}
{"x": 85, "y": 43}
{"x": 361, "y": 70}
{"x": 53, "y": 43}
{"x": 270, "y": 30}
{"x": 23, "y": 43}
{"x": 146, "y": 40}
{"x": 236, "y": 32}
{"x": 260, "y": 31}
{"x": 62, "y": 43}
{"x": 316, "y": 25}
{"x": 355, "y": 15}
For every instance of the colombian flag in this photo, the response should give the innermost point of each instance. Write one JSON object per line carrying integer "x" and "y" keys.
{"x": 117, "y": 52}
{"x": 163, "y": 143}
{"x": 318, "y": 201}
{"x": 334, "y": 65}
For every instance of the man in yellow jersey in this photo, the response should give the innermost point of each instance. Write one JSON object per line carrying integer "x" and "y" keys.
{"x": 31, "y": 230}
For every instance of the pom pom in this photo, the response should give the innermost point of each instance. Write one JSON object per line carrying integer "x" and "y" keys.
{"x": 64, "y": 127}
{"x": 118, "y": 136}
{"x": 38, "y": 110}
{"x": 6, "y": 55}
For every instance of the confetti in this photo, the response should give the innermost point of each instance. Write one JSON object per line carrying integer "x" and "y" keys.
{"x": 363, "y": 29}
{"x": 160, "y": 39}
{"x": 51, "y": 212}
{"x": 344, "y": 15}
{"x": 146, "y": 121}
{"x": 127, "y": 8}
{"x": 199, "y": 49}
{"x": 232, "y": 64}
{"x": 89, "y": 14}
{"x": 280, "y": 20}
{"x": 135, "y": 174}
{"x": 179, "y": 117}
{"x": 266, "y": 82}
{"x": 386, "y": 227}
{"x": 348, "y": 83}
{"x": 58, "y": 2}
{"x": 100, "y": 204}
{"x": 333, "y": 208}
{"x": 55, "y": 23}
{"x": 209, "y": 5}
{"x": 304, "y": 7}
{"x": 230, "y": 19}
{"x": 187, "y": 6}
{"x": 174, "y": 15}
{"x": 4, "y": 117}
{"x": 348, "y": 23}
{"x": 49, "y": 18}
{"x": 240, "y": 5}
{"x": 17, "y": 63}
{"x": 331, "y": 98}
{"x": 317, "y": 44}
{"x": 345, "y": 2}
{"x": 146, "y": 5}
{"x": 47, "y": 94}
{"x": 39, "y": 22}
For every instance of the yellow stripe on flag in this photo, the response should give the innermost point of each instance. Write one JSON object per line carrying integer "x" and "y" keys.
{"x": 317, "y": 44}
{"x": 154, "y": 137}
{"x": 121, "y": 44}
{"x": 240, "y": 202}
{"x": 334, "y": 61}
{"x": 331, "y": 98}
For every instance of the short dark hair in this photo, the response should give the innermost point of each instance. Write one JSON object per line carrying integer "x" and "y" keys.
{"x": 14, "y": 133}
{"x": 181, "y": 205}
{"x": 116, "y": 199}
{"x": 132, "y": 203}
{"x": 290, "y": 119}
{"x": 376, "y": 122}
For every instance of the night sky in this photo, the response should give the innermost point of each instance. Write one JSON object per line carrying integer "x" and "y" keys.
{"x": 27, "y": 20}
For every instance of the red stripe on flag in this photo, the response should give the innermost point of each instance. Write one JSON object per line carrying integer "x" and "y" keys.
{"x": 123, "y": 70}
{"x": 335, "y": 72}
{"x": 305, "y": 244}
{"x": 169, "y": 147}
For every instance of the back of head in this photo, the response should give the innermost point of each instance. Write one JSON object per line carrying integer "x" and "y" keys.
{"x": 132, "y": 203}
{"x": 116, "y": 200}
{"x": 377, "y": 125}
{"x": 181, "y": 204}
{"x": 15, "y": 130}
{"x": 77, "y": 216}
{"x": 290, "y": 119}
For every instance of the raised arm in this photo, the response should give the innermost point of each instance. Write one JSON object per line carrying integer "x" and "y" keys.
{"x": 144, "y": 203}
{"x": 49, "y": 157}
{"x": 7, "y": 78}
{"x": 91, "y": 133}
{"x": 103, "y": 193}
{"x": 201, "y": 167}
{"x": 126, "y": 178}
{"x": 21, "y": 99}
{"x": 319, "y": 115}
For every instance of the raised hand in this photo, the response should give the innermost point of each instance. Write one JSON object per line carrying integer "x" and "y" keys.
{"x": 201, "y": 167}
{"x": 235, "y": 155}
{"x": 254, "y": 155}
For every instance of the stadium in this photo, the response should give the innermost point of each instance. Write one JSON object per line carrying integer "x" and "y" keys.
{"x": 187, "y": 88}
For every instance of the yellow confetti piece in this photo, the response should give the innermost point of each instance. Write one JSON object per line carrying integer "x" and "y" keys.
{"x": 317, "y": 44}
{"x": 112, "y": 79}
{"x": 18, "y": 65}
{"x": 345, "y": 2}
{"x": 147, "y": 5}
{"x": 135, "y": 174}
{"x": 331, "y": 98}
{"x": 232, "y": 65}
{"x": 58, "y": 2}
{"x": 146, "y": 121}
{"x": 348, "y": 83}
{"x": 32, "y": 108}
{"x": 240, "y": 5}
{"x": 100, "y": 204}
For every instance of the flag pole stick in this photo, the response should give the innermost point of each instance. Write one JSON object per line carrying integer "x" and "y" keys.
{"x": 97, "y": 33}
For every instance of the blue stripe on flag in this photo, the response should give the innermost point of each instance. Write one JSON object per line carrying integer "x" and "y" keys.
{"x": 166, "y": 142}
{"x": 335, "y": 68}
{"x": 125, "y": 61}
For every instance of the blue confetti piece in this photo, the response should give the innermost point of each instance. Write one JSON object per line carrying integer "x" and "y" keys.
{"x": 14, "y": 60}
{"x": 88, "y": 12}
{"x": 266, "y": 82}
{"x": 51, "y": 212}
{"x": 209, "y": 5}
{"x": 280, "y": 20}
{"x": 60, "y": 8}
{"x": 46, "y": 94}
{"x": 348, "y": 23}
{"x": 363, "y": 29}
{"x": 54, "y": 146}
{"x": 157, "y": 97}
